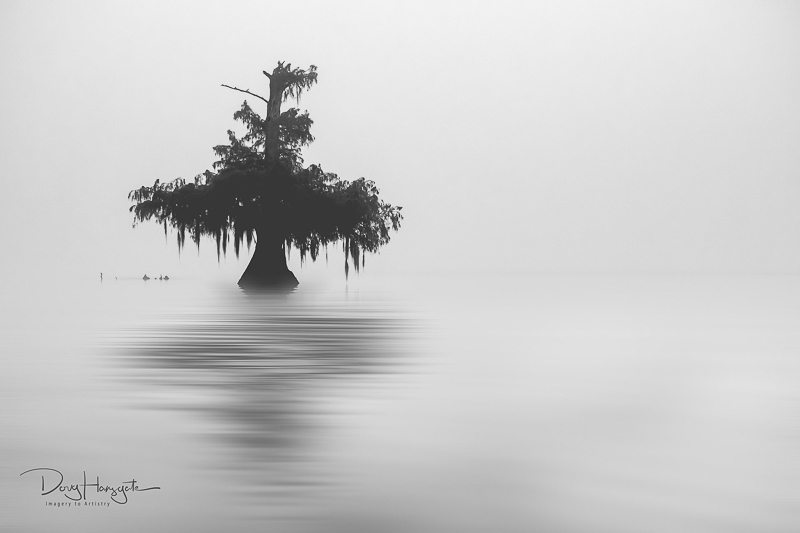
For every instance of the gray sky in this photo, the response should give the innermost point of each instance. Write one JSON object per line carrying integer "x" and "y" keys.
{"x": 527, "y": 136}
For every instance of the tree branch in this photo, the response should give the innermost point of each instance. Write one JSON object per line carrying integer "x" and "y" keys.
{"x": 267, "y": 74}
{"x": 246, "y": 91}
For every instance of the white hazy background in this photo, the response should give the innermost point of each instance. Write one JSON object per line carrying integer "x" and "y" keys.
{"x": 627, "y": 137}
{"x": 532, "y": 137}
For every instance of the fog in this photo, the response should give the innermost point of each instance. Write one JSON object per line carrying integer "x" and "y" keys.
{"x": 483, "y": 372}
{"x": 533, "y": 136}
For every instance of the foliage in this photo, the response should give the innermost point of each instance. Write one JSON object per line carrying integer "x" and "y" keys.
{"x": 292, "y": 82}
{"x": 248, "y": 152}
{"x": 248, "y": 194}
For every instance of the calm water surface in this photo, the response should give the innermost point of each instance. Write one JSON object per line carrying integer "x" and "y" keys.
{"x": 439, "y": 403}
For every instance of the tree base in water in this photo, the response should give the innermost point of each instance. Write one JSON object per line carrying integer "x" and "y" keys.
{"x": 281, "y": 279}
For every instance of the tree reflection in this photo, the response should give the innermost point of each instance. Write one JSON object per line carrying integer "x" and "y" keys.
{"x": 266, "y": 371}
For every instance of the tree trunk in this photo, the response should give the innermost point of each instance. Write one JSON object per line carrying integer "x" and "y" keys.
{"x": 272, "y": 144}
{"x": 267, "y": 267}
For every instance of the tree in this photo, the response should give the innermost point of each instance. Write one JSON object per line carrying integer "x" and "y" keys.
{"x": 259, "y": 191}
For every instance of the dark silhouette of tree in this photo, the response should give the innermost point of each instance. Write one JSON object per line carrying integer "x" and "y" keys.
{"x": 259, "y": 191}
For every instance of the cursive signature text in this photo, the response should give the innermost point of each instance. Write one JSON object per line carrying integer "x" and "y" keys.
{"x": 53, "y": 480}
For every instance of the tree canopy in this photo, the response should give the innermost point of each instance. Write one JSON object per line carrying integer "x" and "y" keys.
{"x": 260, "y": 191}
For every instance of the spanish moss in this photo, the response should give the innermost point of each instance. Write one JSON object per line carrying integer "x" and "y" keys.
{"x": 259, "y": 192}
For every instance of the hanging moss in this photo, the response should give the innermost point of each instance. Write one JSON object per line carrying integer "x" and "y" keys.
{"x": 250, "y": 191}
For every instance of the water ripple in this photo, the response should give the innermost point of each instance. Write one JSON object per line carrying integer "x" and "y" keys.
{"x": 265, "y": 372}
